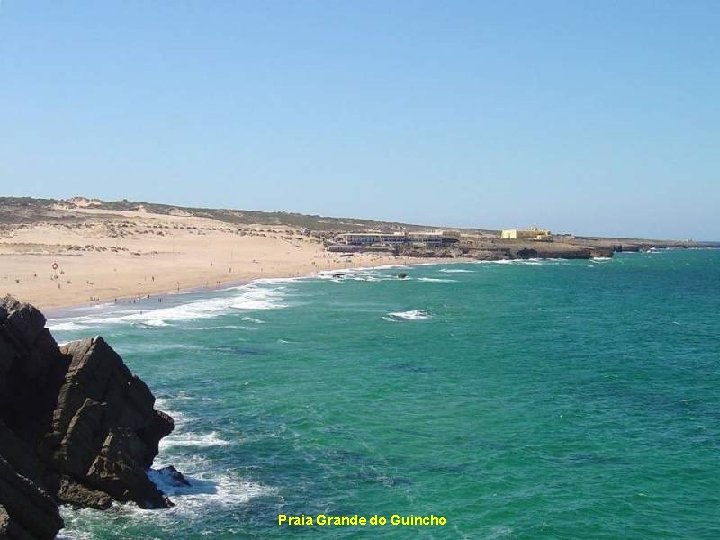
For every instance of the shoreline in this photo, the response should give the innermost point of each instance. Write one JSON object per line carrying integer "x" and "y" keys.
{"x": 76, "y": 255}
{"x": 132, "y": 255}
{"x": 63, "y": 310}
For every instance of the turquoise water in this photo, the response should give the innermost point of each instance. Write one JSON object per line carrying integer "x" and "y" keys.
{"x": 533, "y": 399}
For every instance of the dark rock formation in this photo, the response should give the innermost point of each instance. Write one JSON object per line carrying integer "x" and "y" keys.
{"x": 173, "y": 476}
{"x": 75, "y": 427}
{"x": 27, "y": 511}
{"x": 602, "y": 251}
{"x": 549, "y": 250}
{"x": 526, "y": 253}
{"x": 105, "y": 432}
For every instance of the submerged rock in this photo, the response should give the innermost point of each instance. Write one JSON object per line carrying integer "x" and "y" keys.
{"x": 172, "y": 476}
{"x": 76, "y": 427}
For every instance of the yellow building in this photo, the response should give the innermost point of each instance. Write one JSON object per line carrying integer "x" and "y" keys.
{"x": 533, "y": 233}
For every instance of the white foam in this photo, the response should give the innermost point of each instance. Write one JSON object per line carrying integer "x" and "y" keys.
{"x": 67, "y": 325}
{"x": 250, "y": 297}
{"x": 410, "y": 315}
{"x": 436, "y": 280}
{"x": 266, "y": 281}
{"x": 190, "y": 438}
{"x": 204, "y": 490}
{"x": 382, "y": 267}
{"x": 500, "y": 261}
{"x": 355, "y": 274}
{"x": 152, "y": 323}
{"x": 254, "y": 320}
{"x": 455, "y": 271}
{"x": 73, "y": 535}
{"x": 180, "y": 435}
{"x": 180, "y": 418}
{"x": 223, "y": 327}
{"x": 327, "y": 274}
{"x": 526, "y": 262}
{"x": 208, "y": 485}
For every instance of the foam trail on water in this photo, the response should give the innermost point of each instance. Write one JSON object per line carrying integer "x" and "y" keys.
{"x": 368, "y": 275}
{"x": 526, "y": 262}
{"x": 455, "y": 271}
{"x": 193, "y": 439}
{"x": 410, "y": 315}
{"x": 69, "y": 325}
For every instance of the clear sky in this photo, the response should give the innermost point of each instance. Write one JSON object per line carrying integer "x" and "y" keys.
{"x": 592, "y": 117}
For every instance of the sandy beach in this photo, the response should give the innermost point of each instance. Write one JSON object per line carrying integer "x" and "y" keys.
{"x": 124, "y": 255}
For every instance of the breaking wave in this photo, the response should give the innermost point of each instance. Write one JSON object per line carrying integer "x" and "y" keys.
{"x": 250, "y": 297}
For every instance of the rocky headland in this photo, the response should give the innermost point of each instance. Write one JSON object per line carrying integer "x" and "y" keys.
{"x": 76, "y": 427}
{"x": 494, "y": 250}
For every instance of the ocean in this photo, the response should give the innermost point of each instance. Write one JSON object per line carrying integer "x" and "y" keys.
{"x": 523, "y": 399}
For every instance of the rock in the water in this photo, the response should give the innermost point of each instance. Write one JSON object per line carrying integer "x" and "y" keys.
{"x": 105, "y": 430}
{"x": 76, "y": 426}
{"x": 174, "y": 477}
{"x": 71, "y": 492}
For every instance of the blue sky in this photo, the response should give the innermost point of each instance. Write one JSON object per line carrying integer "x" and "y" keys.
{"x": 592, "y": 117}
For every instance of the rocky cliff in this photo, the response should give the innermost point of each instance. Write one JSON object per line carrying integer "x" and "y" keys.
{"x": 76, "y": 427}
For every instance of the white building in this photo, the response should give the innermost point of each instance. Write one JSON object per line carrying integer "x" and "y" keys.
{"x": 436, "y": 238}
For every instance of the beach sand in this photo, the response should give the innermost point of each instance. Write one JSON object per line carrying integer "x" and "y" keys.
{"x": 123, "y": 255}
